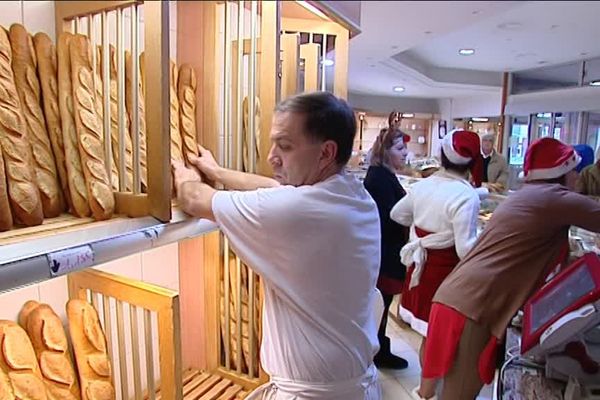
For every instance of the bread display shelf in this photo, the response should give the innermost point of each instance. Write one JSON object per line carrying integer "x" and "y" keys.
{"x": 25, "y": 254}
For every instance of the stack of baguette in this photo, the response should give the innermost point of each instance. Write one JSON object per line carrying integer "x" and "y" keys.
{"x": 52, "y": 153}
{"x": 35, "y": 360}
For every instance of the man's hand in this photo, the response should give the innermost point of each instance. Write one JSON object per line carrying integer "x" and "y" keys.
{"x": 182, "y": 174}
{"x": 206, "y": 164}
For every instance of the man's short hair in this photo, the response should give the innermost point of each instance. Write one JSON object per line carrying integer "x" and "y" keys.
{"x": 490, "y": 137}
{"x": 326, "y": 117}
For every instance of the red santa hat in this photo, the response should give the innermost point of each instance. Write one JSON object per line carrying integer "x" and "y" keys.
{"x": 461, "y": 147}
{"x": 548, "y": 158}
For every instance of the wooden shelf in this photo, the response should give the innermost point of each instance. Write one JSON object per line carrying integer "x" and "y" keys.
{"x": 26, "y": 254}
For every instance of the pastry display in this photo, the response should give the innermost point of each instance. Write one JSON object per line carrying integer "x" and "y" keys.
{"x": 186, "y": 91}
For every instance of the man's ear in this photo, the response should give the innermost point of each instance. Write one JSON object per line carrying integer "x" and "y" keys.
{"x": 329, "y": 150}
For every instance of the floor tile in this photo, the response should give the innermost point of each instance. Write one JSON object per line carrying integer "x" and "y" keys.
{"x": 393, "y": 390}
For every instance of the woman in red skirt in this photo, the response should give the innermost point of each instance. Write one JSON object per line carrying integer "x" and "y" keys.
{"x": 442, "y": 213}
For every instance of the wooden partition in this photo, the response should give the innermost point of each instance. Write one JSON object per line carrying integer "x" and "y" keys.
{"x": 83, "y": 17}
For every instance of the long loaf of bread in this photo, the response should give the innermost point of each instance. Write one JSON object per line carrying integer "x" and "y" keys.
{"x": 114, "y": 176}
{"x": 89, "y": 346}
{"x": 20, "y": 376}
{"x": 51, "y": 348}
{"x": 6, "y": 220}
{"x": 47, "y": 69}
{"x": 77, "y": 186}
{"x": 87, "y": 121}
{"x": 28, "y": 88}
{"x": 186, "y": 86}
{"x": 23, "y": 194}
{"x": 176, "y": 140}
{"x": 129, "y": 92}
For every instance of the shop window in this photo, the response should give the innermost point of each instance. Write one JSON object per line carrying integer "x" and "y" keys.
{"x": 593, "y": 131}
{"x": 519, "y": 140}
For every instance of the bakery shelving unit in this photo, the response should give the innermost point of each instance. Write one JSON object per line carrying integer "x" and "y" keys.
{"x": 203, "y": 339}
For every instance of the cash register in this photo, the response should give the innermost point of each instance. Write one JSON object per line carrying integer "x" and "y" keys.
{"x": 561, "y": 324}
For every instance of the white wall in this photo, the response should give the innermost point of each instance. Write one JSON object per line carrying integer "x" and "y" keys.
{"x": 477, "y": 106}
{"x": 36, "y": 16}
{"x": 385, "y": 104}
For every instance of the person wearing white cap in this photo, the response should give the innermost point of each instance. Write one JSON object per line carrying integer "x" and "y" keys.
{"x": 526, "y": 238}
{"x": 441, "y": 212}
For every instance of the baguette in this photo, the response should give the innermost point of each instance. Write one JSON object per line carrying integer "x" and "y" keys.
{"x": 141, "y": 114}
{"x": 176, "y": 141}
{"x": 20, "y": 376}
{"x": 87, "y": 121}
{"x": 50, "y": 344}
{"x": 187, "y": 85}
{"x": 89, "y": 346}
{"x": 77, "y": 186}
{"x": 98, "y": 83}
{"x": 23, "y": 194}
{"x": 6, "y": 220}
{"x": 28, "y": 88}
{"x": 47, "y": 69}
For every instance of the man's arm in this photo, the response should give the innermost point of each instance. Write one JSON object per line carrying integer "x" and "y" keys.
{"x": 195, "y": 198}
{"x": 231, "y": 179}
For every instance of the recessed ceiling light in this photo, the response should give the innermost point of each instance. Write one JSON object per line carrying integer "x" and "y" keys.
{"x": 408, "y": 115}
{"x": 475, "y": 12}
{"x": 394, "y": 47}
{"x": 428, "y": 32}
{"x": 398, "y": 89}
{"x": 479, "y": 119}
{"x": 466, "y": 52}
{"x": 542, "y": 62}
{"x": 327, "y": 62}
{"x": 372, "y": 65}
{"x": 595, "y": 83}
{"x": 583, "y": 54}
{"x": 554, "y": 26}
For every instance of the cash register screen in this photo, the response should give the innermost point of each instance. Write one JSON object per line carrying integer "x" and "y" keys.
{"x": 564, "y": 294}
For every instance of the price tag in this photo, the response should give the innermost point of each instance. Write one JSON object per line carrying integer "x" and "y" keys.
{"x": 64, "y": 261}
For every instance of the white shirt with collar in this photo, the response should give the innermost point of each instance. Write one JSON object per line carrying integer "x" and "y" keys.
{"x": 317, "y": 249}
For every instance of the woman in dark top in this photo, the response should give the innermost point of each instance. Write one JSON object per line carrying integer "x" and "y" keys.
{"x": 388, "y": 156}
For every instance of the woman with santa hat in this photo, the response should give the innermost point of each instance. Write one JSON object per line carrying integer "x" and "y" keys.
{"x": 442, "y": 213}
{"x": 526, "y": 238}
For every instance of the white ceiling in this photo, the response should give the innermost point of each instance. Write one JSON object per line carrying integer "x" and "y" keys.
{"x": 430, "y": 34}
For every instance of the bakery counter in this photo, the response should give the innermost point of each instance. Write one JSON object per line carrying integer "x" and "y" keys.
{"x": 28, "y": 257}
{"x": 520, "y": 379}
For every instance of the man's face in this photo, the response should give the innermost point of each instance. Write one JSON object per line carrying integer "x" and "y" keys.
{"x": 487, "y": 146}
{"x": 296, "y": 158}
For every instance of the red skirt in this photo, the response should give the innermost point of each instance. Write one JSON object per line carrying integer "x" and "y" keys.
{"x": 416, "y": 302}
{"x": 443, "y": 338}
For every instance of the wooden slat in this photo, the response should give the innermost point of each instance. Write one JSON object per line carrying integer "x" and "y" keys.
{"x": 340, "y": 80}
{"x": 195, "y": 382}
{"x": 139, "y": 293}
{"x": 239, "y": 379}
{"x": 169, "y": 343}
{"x": 217, "y": 390}
{"x": 132, "y": 205}
{"x": 156, "y": 37}
{"x": 310, "y": 53}
{"x": 230, "y": 393}
{"x": 204, "y": 387}
{"x": 289, "y": 66}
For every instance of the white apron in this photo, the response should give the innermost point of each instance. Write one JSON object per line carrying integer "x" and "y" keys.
{"x": 365, "y": 387}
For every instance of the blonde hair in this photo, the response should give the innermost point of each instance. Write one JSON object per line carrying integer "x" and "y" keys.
{"x": 384, "y": 142}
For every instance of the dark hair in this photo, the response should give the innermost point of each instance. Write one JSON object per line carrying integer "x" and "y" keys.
{"x": 462, "y": 169}
{"x": 325, "y": 118}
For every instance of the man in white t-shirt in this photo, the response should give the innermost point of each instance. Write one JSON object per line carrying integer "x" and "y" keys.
{"x": 312, "y": 234}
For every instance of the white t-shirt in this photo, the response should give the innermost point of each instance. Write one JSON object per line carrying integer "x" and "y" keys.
{"x": 317, "y": 249}
{"x": 441, "y": 203}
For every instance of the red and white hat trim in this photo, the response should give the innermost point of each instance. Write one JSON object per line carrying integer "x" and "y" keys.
{"x": 451, "y": 153}
{"x": 554, "y": 172}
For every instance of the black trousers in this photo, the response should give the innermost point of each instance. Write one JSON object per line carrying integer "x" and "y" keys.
{"x": 384, "y": 341}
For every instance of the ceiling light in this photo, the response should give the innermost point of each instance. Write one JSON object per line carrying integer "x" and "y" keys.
{"x": 327, "y": 62}
{"x": 479, "y": 119}
{"x": 595, "y": 83}
{"x": 312, "y": 9}
{"x": 544, "y": 115}
{"x": 466, "y": 52}
{"x": 408, "y": 115}
{"x": 399, "y": 89}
